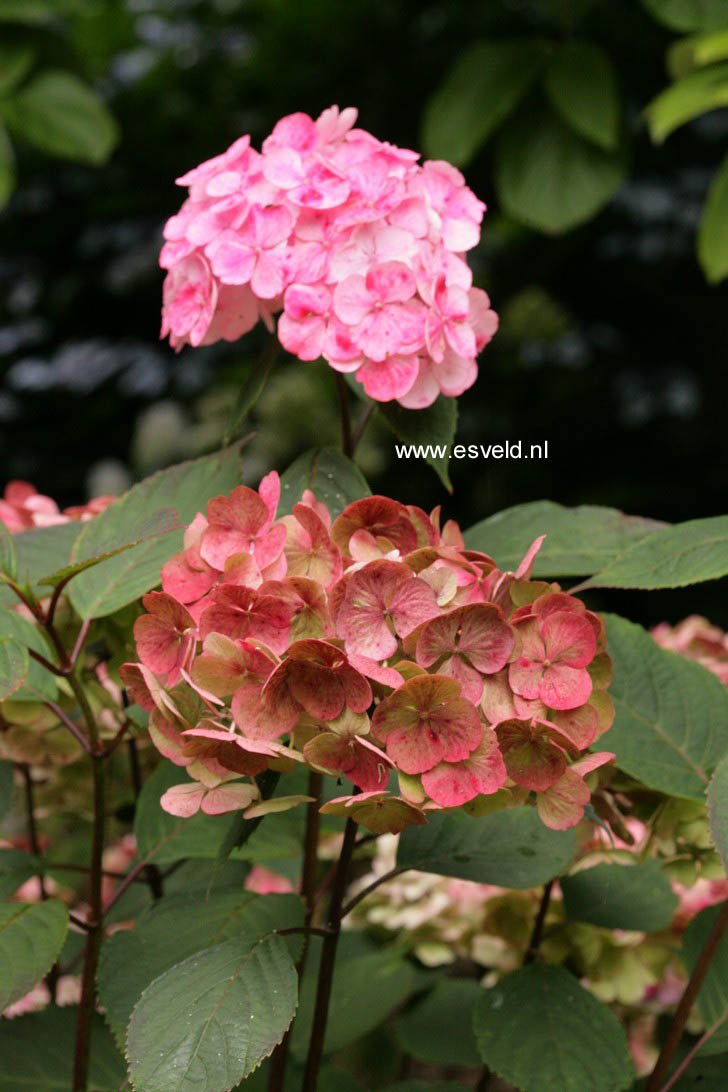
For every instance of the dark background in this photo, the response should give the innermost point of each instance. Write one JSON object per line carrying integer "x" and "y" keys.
{"x": 612, "y": 345}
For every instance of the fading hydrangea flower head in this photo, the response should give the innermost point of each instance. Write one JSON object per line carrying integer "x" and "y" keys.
{"x": 23, "y": 507}
{"x": 374, "y": 647}
{"x": 360, "y": 248}
{"x": 697, "y": 639}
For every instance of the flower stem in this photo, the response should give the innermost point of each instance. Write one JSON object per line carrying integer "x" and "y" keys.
{"x": 151, "y": 872}
{"x": 93, "y": 937}
{"x": 361, "y": 426}
{"x": 328, "y": 961}
{"x": 95, "y": 926}
{"x": 347, "y": 443}
{"x": 704, "y": 1038}
{"x": 535, "y": 942}
{"x": 687, "y": 1000}
{"x": 371, "y": 887}
{"x": 279, "y": 1058}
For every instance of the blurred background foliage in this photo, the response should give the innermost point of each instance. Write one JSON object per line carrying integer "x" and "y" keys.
{"x": 592, "y": 128}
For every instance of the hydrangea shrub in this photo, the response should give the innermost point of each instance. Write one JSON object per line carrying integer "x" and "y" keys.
{"x": 189, "y": 661}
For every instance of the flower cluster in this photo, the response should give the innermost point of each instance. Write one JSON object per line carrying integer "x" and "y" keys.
{"x": 22, "y": 507}
{"x": 360, "y": 245}
{"x": 697, "y": 639}
{"x": 382, "y": 649}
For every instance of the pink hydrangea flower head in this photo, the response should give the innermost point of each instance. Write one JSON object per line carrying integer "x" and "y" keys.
{"x": 370, "y": 646}
{"x": 362, "y": 246}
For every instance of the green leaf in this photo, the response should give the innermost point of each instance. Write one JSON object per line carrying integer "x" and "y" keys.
{"x": 549, "y": 178}
{"x": 713, "y": 228}
{"x": 176, "y": 927}
{"x": 59, "y": 114}
{"x": 689, "y": 14}
{"x": 718, "y": 810}
{"x": 485, "y": 85}
{"x": 161, "y": 522}
{"x": 8, "y": 555}
{"x": 670, "y": 714}
{"x": 581, "y": 84}
{"x": 579, "y": 540}
{"x": 543, "y": 1032}
{"x": 16, "y": 867}
{"x": 435, "y": 425}
{"x": 365, "y": 990}
{"x": 7, "y": 167}
{"x": 672, "y": 557}
{"x": 210, "y": 1020}
{"x": 7, "y": 788}
{"x": 637, "y": 896}
{"x": 438, "y": 1030}
{"x": 186, "y": 488}
{"x": 511, "y": 848}
{"x": 336, "y": 480}
{"x": 31, "y": 936}
{"x": 14, "y": 664}
{"x": 690, "y": 53}
{"x": 39, "y": 552}
{"x": 15, "y": 63}
{"x": 712, "y": 1000}
{"x": 35, "y": 1054}
{"x": 39, "y": 681}
{"x": 690, "y": 97}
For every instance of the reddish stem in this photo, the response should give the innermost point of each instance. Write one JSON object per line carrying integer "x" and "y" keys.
{"x": 687, "y": 1000}
{"x": 328, "y": 961}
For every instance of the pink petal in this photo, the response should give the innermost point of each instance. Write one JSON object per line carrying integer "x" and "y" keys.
{"x": 352, "y": 300}
{"x": 183, "y": 800}
{"x": 564, "y": 687}
{"x": 570, "y": 638}
{"x": 390, "y": 378}
{"x": 390, "y": 282}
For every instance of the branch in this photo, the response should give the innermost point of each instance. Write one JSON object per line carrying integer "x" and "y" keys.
{"x": 704, "y": 1038}
{"x": 116, "y": 740}
{"x": 536, "y": 936}
{"x": 279, "y": 1057}
{"x": 361, "y": 426}
{"x": 371, "y": 887}
{"x": 307, "y": 930}
{"x": 686, "y": 1001}
{"x": 68, "y": 723}
{"x": 347, "y": 444}
{"x": 328, "y": 960}
{"x": 80, "y": 641}
{"x": 45, "y": 663}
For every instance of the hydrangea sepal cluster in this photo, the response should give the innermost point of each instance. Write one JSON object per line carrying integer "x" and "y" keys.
{"x": 360, "y": 247}
{"x": 374, "y": 647}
